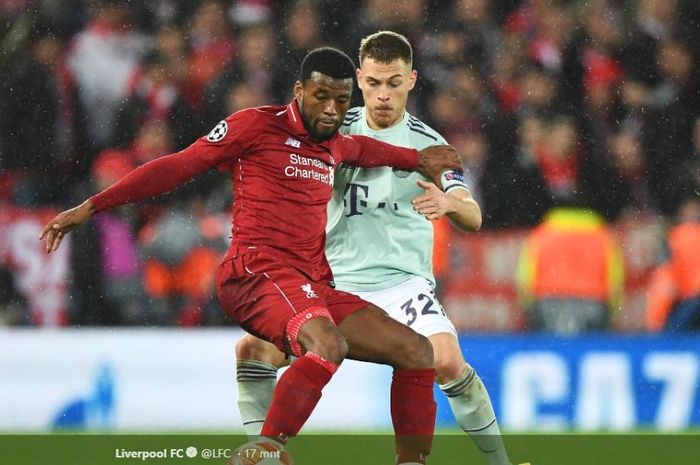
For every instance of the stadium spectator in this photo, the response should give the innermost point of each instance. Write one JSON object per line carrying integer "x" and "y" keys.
{"x": 478, "y": 33}
{"x": 13, "y": 306}
{"x": 548, "y": 44}
{"x": 106, "y": 284}
{"x": 570, "y": 275}
{"x": 301, "y": 32}
{"x": 539, "y": 93}
{"x": 559, "y": 158}
{"x": 252, "y": 69}
{"x": 170, "y": 43}
{"x": 407, "y": 17}
{"x": 655, "y": 22}
{"x": 673, "y": 301}
{"x": 533, "y": 200}
{"x": 628, "y": 193}
{"x": 686, "y": 173}
{"x": 104, "y": 62}
{"x": 240, "y": 95}
{"x": 590, "y": 61}
{"x": 503, "y": 81}
{"x": 44, "y": 134}
{"x": 672, "y": 107}
{"x": 184, "y": 249}
{"x": 156, "y": 97}
{"x": 472, "y": 146}
{"x": 266, "y": 276}
{"x": 212, "y": 45}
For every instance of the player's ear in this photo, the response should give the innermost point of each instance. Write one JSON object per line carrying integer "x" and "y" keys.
{"x": 358, "y": 73}
{"x": 298, "y": 90}
{"x": 412, "y": 78}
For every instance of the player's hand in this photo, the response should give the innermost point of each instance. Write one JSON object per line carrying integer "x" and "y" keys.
{"x": 436, "y": 159}
{"x": 56, "y": 229}
{"x": 434, "y": 203}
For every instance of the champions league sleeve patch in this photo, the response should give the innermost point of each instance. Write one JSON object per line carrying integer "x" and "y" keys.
{"x": 219, "y": 132}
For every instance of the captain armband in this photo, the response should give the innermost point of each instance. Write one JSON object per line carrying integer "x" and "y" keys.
{"x": 452, "y": 179}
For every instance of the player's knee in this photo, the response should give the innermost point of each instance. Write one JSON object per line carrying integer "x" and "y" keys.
{"x": 330, "y": 345}
{"x": 246, "y": 348}
{"x": 416, "y": 352}
{"x": 252, "y": 348}
{"x": 448, "y": 367}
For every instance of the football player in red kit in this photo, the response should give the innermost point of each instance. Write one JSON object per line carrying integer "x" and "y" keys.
{"x": 275, "y": 280}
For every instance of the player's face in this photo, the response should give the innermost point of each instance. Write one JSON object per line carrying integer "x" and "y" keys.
{"x": 323, "y": 102}
{"x": 385, "y": 88}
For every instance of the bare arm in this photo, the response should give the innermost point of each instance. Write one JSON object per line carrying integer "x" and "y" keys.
{"x": 457, "y": 204}
{"x": 64, "y": 222}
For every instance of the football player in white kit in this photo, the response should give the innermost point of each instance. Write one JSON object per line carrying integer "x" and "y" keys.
{"x": 379, "y": 246}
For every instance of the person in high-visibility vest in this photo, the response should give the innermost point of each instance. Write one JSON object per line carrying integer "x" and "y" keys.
{"x": 570, "y": 274}
{"x": 673, "y": 300}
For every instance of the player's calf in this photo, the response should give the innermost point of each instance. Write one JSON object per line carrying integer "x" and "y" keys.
{"x": 472, "y": 408}
{"x": 321, "y": 348}
{"x": 257, "y": 362}
{"x": 412, "y": 404}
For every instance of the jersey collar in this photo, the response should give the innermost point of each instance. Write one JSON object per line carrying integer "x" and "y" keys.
{"x": 386, "y": 132}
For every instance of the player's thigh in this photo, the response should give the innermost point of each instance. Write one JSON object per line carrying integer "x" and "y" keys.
{"x": 449, "y": 361}
{"x": 373, "y": 336}
{"x": 263, "y": 296}
{"x": 414, "y": 304}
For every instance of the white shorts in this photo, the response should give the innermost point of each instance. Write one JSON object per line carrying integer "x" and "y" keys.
{"x": 412, "y": 303}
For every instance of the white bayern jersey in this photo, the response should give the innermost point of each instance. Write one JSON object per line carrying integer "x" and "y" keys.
{"x": 375, "y": 239}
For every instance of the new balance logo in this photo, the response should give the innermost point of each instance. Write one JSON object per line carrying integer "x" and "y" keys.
{"x": 310, "y": 294}
{"x": 293, "y": 143}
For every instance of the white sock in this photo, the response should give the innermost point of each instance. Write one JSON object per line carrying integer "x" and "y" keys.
{"x": 472, "y": 408}
{"x": 256, "y": 382}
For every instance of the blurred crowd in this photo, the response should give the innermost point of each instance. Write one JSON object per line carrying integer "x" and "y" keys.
{"x": 546, "y": 101}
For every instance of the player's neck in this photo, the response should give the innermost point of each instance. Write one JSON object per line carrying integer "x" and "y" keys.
{"x": 374, "y": 126}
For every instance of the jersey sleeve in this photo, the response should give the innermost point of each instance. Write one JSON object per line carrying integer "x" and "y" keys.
{"x": 365, "y": 152}
{"x": 226, "y": 143}
{"x": 230, "y": 139}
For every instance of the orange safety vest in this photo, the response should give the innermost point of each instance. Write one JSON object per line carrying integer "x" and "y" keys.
{"x": 194, "y": 277}
{"x": 684, "y": 242}
{"x": 573, "y": 255}
{"x": 661, "y": 296}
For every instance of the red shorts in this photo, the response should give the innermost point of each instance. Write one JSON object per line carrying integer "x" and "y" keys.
{"x": 262, "y": 294}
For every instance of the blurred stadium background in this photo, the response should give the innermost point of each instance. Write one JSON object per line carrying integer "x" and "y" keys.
{"x": 120, "y": 330}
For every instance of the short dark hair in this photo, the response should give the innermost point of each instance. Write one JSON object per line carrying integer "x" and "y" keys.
{"x": 385, "y": 47}
{"x": 328, "y": 61}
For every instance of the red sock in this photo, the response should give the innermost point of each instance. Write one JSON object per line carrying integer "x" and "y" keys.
{"x": 413, "y": 413}
{"x": 296, "y": 394}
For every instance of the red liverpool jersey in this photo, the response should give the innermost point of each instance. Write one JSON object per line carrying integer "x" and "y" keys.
{"x": 282, "y": 180}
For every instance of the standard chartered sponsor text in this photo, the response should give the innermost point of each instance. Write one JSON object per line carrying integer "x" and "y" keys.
{"x": 293, "y": 170}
